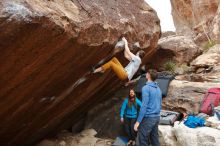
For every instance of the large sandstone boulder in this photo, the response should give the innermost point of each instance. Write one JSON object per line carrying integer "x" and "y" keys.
{"x": 167, "y": 33}
{"x": 180, "y": 135}
{"x": 216, "y": 27}
{"x": 209, "y": 58}
{"x": 197, "y": 18}
{"x": 202, "y": 136}
{"x": 186, "y": 96}
{"x": 167, "y": 136}
{"x": 208, "y": 65}
{"x": 178, "y": 48}
{"x": 47, "y": 50}
{"x": 187, "y": 14}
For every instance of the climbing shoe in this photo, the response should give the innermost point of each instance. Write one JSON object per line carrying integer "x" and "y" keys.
{"x": 92, "y": 70}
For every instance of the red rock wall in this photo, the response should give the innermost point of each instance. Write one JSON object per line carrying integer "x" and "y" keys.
{"x": 215, "y": 35}
{"x": 47, "y": 49}
{"x": 192, "y": 17}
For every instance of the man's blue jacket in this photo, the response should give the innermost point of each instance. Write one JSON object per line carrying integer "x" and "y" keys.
{"x": 151, "y": 101}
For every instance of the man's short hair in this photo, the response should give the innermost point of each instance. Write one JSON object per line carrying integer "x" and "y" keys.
{"x": 141, "y": 53}
{"x": 153, "y": 74}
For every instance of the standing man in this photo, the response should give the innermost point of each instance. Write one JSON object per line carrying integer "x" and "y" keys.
{"x": 149, "y": 116}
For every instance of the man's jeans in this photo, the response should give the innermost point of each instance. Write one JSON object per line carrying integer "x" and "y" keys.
{"x": 148, "y": 128}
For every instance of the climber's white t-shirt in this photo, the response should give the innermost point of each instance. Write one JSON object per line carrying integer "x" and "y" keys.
{"x": 133, "y": 66}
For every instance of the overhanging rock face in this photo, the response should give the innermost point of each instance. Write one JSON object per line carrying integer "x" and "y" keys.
{"x": 47, "y": 50}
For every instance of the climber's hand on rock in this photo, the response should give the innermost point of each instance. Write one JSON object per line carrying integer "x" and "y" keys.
{"x": 124, "y": 39}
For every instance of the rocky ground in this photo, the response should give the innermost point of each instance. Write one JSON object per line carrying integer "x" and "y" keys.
{"x": 85, "y": 138}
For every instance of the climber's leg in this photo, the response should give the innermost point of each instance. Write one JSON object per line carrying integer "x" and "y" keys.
{"x": 116, "y": 66}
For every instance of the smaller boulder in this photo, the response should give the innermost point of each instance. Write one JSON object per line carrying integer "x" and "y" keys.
{"x": 201, "y": 136}
{"x": 183, "y": 48}
{"x": 209, "y": 58}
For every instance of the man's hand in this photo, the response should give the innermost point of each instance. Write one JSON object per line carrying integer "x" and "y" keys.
{"x": 124, "y": 39}
{"x": 136, "y": 126}
{"x": 122, "y": 120}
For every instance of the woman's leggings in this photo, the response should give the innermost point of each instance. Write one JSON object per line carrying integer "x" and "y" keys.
{"x": 129, "y": 128}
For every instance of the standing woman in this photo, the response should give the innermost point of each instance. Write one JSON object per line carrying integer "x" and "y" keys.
{"x": 129, "y": 113}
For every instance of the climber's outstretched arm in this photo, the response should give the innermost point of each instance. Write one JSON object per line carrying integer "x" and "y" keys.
{"x": 127, "y": 53}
